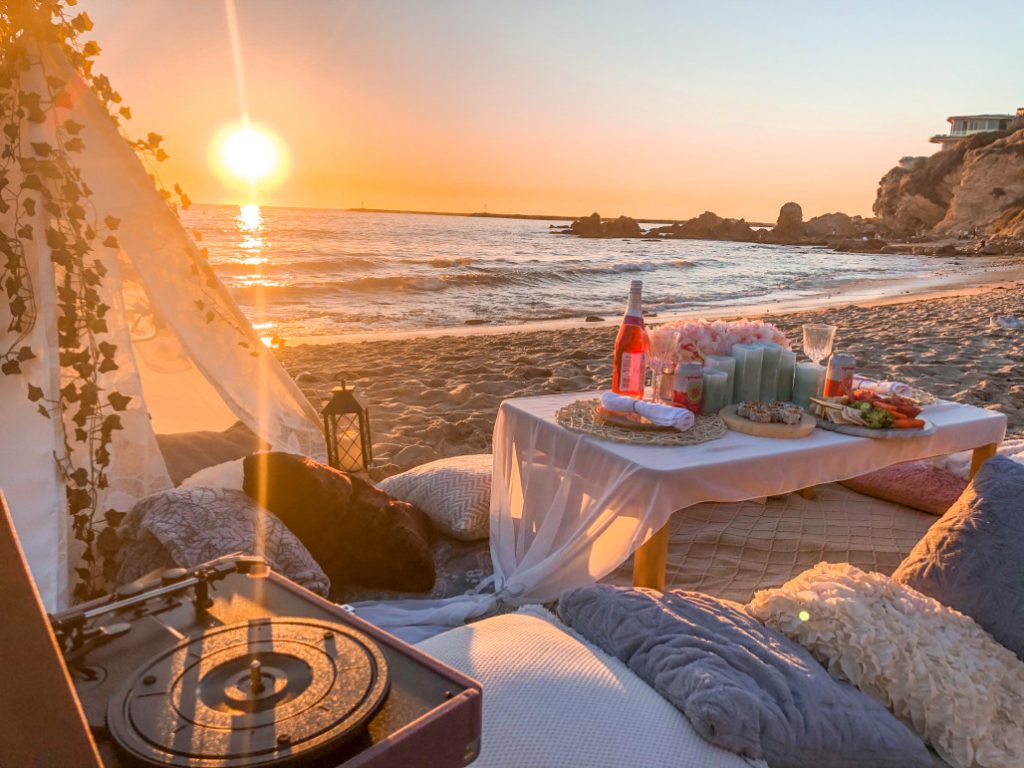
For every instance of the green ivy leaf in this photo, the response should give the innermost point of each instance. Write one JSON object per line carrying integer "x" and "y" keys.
{"x": 29, "y": 205}
{"x": 81, "y": 22}
{"x": 55, "y": 238}
{"x": 25, "y": 353}
{"x": 10, "y": 368}
{"x": 111, "y": 242}
{"x": 43, "y": 412}
{"x": 34, "y": 393}
{"x": 154, "y": 139}
{"x": 41, "y": 148}
{"x": 74, "y": 145}
{"x": 118, "y": 401}
{"x": 72, "y": 127}
{"x": 107, "y": 366}
{"x": 112, "y": 222}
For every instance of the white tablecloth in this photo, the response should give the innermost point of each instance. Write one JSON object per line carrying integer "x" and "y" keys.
{"x": 567, "y": 508}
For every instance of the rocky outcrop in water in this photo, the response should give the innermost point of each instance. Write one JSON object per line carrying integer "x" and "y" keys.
{"x": 707, "y": 226}
{"x": 594, "y": 226}
{"x": 974, "y": 188}
{"x": 789, "y": 227}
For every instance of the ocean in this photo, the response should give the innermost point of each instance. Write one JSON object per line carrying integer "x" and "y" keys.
{"x": 313, "y": 272}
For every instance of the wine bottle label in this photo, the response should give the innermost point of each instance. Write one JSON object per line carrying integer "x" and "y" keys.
{"x": 633, "y": 320}
{"x": 631, "y": 372}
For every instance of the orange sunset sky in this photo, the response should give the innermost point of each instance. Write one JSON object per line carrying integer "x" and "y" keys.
{"x": 657, "y": 109}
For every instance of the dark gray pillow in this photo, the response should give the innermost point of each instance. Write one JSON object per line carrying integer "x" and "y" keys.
{"x": 744, "y": 687}
{"x": 972, "y": 559}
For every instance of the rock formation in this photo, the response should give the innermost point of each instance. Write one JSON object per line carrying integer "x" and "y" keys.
{"x": 991, "y": 189}
{"x": 974, "y": 188}
{"x": 707, "y": 226}
{"x": 594, "y": 226}
{"x": 789, "y": 227}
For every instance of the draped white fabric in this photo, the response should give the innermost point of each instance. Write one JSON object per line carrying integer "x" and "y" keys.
{"x": 567, "y": 509}
{"x": 194, "y": 366}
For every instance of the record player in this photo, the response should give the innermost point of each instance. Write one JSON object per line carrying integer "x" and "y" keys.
{"x": 230, "y": 664}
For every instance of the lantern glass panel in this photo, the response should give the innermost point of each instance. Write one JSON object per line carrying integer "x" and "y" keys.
{"x": 348, "y": 442}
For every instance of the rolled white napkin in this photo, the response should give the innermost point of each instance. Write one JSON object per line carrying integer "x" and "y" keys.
{"x": 662, "y": 415}
{"x": 883, "y": 387}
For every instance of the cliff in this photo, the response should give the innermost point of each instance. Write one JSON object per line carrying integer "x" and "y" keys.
{"x": 976, "y": 187}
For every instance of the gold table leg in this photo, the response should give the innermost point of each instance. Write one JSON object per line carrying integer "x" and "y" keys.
{"x": 807, "y": 493}
{"x": 649, "y": 561}
{"x": 981, "y": 454}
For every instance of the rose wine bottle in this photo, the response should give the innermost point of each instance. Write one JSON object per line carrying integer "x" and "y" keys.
{"x": 631, "y": 346}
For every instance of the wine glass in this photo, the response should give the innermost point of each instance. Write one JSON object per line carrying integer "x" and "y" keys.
{"x": 663, "y": 341}
{"x": 818, "y": 341}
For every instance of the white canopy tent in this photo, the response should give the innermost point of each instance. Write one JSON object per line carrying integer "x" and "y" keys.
{"x": 185, "y": 354}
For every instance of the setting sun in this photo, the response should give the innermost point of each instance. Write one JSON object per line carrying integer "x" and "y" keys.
{"x": 249, "y": 155}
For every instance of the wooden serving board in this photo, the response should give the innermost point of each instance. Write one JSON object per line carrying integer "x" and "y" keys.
{"x": 778, "y": 430}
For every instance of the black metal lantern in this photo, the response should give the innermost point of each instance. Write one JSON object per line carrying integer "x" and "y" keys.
{"x": 347, "y": 431}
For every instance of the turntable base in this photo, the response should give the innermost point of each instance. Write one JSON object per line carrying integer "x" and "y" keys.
{"x": 267, "y": 692}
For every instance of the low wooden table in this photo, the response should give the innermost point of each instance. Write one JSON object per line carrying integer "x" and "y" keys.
{"x": 595, "y": 501}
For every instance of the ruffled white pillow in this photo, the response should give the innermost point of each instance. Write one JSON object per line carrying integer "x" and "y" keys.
{"x": 934, "y": 667}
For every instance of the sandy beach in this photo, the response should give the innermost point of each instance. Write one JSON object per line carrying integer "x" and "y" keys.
{"x": 438, "y": 396}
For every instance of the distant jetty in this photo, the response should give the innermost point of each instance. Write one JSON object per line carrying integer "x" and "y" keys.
{"x": 484, "y": 215}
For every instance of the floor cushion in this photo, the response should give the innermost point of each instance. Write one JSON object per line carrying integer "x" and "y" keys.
{"x": 972, "y": 559}
{"x": 357, "y": 533}
{"x": 934, "y": 667}
{"x": 552, "y": 701}
{"x": 455, "y": 493}
{"x": 185, "y": 453}
{"x": 743, "y": 686}
{"x": 184, "y": 527}
{"x": 916, "y": 484}
{"x": 229, "y": 474}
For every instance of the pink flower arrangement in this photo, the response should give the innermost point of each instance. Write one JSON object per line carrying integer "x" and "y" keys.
{"x": 693, "y": 341}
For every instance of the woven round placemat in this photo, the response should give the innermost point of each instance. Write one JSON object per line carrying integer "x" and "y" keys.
{"x": 580, "y": 416}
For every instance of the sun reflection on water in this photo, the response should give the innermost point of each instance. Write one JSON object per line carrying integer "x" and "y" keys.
{"x": 250, "y": 227}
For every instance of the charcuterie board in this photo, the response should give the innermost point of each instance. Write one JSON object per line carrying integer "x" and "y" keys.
{"x": 775, "y": 429}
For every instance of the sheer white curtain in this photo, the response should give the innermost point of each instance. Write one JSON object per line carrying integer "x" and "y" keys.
{"x": 200, "y": 368}
{"x": 564, "y": 513}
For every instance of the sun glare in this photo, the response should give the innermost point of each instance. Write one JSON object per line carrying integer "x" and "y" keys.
{"x": 249, "y": 156}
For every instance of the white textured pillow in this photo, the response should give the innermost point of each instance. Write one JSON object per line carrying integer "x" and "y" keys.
{"x": 227, "y": 475}
{"x": 455, "y": 493}
{"x": 552, "y": 700}
{"x": 935, "y": 668}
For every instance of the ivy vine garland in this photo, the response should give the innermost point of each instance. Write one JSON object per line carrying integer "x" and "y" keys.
{"x": 52, "y": 204}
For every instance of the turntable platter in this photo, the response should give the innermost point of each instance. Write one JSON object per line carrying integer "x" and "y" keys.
{"x": 269, "y": 692}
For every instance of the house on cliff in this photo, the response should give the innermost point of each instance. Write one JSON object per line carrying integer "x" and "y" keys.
{"x": 961, "y": 126}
